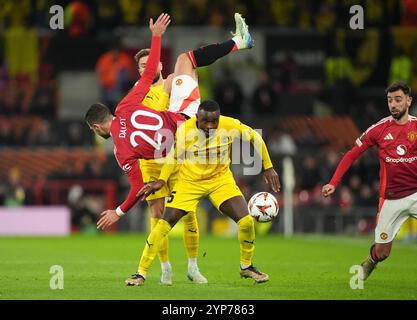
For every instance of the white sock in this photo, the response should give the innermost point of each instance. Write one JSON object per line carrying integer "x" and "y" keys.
{"x": 165, "y": 266}
{"x": 238, "y": 42}
{"x": 192, "y": 263}
{"x": 244, "y": 266}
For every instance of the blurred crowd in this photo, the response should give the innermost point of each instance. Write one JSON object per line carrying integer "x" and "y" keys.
{"x": 101, "y": 15}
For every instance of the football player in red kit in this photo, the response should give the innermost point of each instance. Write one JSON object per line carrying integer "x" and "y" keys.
{"x": 396, "y": 140}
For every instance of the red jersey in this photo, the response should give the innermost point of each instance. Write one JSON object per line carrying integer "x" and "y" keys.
{"x": 139, "y": 132}
{"x": 397, "y": 152}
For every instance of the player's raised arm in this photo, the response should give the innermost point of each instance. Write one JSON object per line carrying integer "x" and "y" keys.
{"x": 139, "y": 91}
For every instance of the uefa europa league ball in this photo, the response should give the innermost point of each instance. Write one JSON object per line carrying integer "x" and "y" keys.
{"x": 263, "y": 207}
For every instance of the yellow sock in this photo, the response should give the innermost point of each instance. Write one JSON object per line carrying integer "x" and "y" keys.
{"x": 191, "y": 234}
{"x": 160, "y": 232}
{"x": 163, "y": 247}
{"x": 246, "y": 236}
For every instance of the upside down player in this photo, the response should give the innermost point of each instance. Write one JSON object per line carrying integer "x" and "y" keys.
{"x": 202, "y": 149}
{"x": 153, "y": 135}
{"x": 395, "y": 137}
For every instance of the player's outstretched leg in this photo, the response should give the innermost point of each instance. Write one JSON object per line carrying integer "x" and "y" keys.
{"x": 368, "y": 265}
{"x": 378, "y": 253}
{"x": 185, "y": 95}
{"x": 237, "y": 209}
{"x": 153, "y": 241}
{"x": 246, "y": 236}
{"x": 191, "y": 240}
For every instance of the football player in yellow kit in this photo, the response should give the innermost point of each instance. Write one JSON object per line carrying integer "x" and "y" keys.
{"x": 158, "y": 99}
{"x": 203, "y": 150}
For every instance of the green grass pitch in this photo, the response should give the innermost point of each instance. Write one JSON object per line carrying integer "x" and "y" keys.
{"x": 304, "y": 267}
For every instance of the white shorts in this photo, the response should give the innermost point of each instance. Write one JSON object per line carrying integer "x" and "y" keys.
{"x": 392, "y": 215}
{"x": 185, "y": 95}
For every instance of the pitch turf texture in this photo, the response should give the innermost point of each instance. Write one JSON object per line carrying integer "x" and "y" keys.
{"x": 304, "y": 267}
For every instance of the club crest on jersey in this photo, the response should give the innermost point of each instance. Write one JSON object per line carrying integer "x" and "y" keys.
{"x": 383, "y": 236}
{"x": 412, "y": 136}
{"x": 178, "y": 82}
{"x": 401, "y": 150}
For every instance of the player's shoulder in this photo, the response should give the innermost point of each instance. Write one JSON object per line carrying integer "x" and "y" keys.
{"x": 380, "y": 125}
{"x": 189, "y": 124}
{"x": 412, "y": 119}
{"x": 228, "y": 122}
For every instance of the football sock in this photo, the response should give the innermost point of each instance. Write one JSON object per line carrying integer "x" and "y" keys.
{"x": 191, "y": 234}
{"x": 246, "y": 236}
{"x": 165, "y": 266}
{"x": 192, "y": 263}
{"x": 205, "y": 56}
{"x": 160, "y": 232}
{"x": 163, "y": 248}
{"x": 374, "y": 255}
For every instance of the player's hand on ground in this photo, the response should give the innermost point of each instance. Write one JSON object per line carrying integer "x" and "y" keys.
{"x": 158, "y": 28}
{"x": 271, "y": 177}
{"x": 149, "y": 188}
{"x": 108, "y": 217}
{"x": 327, "y": 190}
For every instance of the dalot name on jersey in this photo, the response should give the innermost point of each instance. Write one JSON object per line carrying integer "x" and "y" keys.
{"x": 123, "y": 128}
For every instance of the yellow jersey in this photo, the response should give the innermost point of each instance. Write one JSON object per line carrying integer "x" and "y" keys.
{"x": 204, "y": 158}
{"x": 157, "y": 98}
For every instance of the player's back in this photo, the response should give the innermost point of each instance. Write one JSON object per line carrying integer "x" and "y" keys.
{"x": 139, "y": 132}
{"x": 157, "y": 98}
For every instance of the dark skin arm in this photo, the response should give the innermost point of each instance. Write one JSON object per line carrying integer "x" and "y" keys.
{"x": 272, "y": 179}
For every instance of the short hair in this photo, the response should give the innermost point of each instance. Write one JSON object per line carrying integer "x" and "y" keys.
{"x": 209, "y": 105}
{"x": 399, "y": 85}
{"x": 142, "y": 53}
{"x": 98, "y": 113}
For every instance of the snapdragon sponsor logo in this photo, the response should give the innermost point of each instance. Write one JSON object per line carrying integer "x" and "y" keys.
{"x": 218, "y": 147}
{"x": 400, "y": 160}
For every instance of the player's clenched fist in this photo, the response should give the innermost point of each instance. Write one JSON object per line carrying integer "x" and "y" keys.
{"x": 158, "y": 28}
{"x": 327, "y": 190}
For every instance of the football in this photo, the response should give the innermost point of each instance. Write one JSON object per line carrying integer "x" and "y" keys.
{"x": 263, "y": 207}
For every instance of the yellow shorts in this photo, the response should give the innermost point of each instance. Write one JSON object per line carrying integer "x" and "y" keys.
{"x": 151, "y": 170}
{"x": 187, "y": 194}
